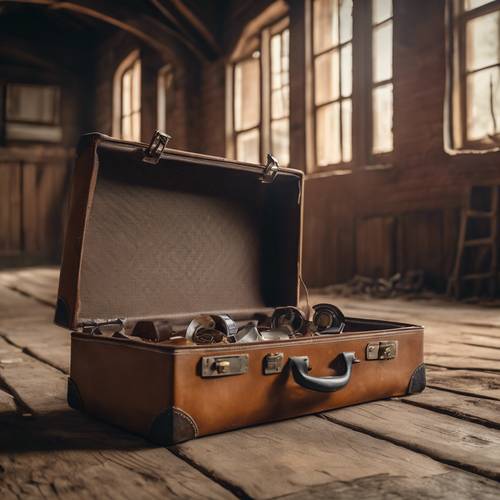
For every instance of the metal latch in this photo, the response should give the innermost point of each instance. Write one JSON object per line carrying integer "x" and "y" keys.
{"x": 382, "y": 350}
{"x": 220, "y": 366}
{"x": 156, "y": 147}
{"x": 270, "y": 170}
{"x": 273, "y": 363}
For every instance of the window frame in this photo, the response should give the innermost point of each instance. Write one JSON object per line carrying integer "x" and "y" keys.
{"x": 17, "y": 130}
{"x": 126, "y": 65}
{"x": 276, "y": 28}
{"x": 362, "y": 156}
{"x": 259, "y": 41}
{"x": 165, "y": 71}
{"x": 56, "y": 111}
{"x": 458, "y": 17}
{"x": 258, "y": 126}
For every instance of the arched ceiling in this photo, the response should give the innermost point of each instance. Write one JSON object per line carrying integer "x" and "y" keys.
{"x": 168, "y": 26}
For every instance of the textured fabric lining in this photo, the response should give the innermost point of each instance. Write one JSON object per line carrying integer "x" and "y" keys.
{"x": 182, "y": 238}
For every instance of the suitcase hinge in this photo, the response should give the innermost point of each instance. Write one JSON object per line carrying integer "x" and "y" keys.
{"x": 156, "y": 147}
{"x": 270, "y": 170}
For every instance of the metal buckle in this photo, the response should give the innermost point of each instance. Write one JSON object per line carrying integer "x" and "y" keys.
{"x": 270, "y": 170}
{"x": 156, "y": 147}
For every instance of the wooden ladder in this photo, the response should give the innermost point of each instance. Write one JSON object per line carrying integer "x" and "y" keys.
{"x": 455, "y": 283}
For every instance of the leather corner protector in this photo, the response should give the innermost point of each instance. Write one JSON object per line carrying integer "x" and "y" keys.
{"x": 61, "y": 317}
{"x": 74, "y": 397}
{"x": 173, "y": 426}
{"x": 417, "y": 381}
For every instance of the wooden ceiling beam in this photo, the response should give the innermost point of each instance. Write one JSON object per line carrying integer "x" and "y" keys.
{"x": 143, "y": 26}
{"x": 197, "y": 24}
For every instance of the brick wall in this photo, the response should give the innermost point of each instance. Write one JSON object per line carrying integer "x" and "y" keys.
{"x": 369, "y": 222}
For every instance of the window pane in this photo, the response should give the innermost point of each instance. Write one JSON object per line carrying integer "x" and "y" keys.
{"x": 382, "y": 119}
{"x": 280, "y": 146}
{"x": 127, "y": 128}
{"x": 382, "y": 52}
{"x": 136, "y": 126}
{"x": 483, "y": 41}
{"x": 247, "y": 93}
{"x": 326, "y": 24}
{"x": 32, "y": 103}
{"x": 328, "y": 135}
{"x": 126, "y": 92}
{"x": 247, "y": 146}
{"x": 346, "y": 130}
{"x": 472, "y": 4}
{"x": 136, "y": 86}
{"x": 166, "y": 97}
{"x": 346, "y": 70}
{"x": 483, "y": 103}
{"x": 280, "y": 103}
{"x": 381, "y": 10}
{"x": 279, "y": 75}
{"x": 345, "y": 20}
{"x": 326, "y": 77}
{"x": 276, "y": 62}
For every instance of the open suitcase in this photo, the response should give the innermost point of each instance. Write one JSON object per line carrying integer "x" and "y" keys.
{"x": 163, "y": 234}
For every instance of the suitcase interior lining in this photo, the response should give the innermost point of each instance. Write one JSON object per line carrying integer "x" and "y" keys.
{"x": 183, "y": 238}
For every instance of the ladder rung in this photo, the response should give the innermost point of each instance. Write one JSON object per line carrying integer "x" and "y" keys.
{"x": 480, "y": 214}
{"x": 478, "y": 276}
{"x": 479, "y": 242}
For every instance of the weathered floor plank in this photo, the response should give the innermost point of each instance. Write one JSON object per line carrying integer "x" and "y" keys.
{"x": 40, "y": 338}
{"x": 480, "y": 410}
{"x": 449, "y": 486}
{"x": 66, "y": 455}
{"x": 59, "y": 452}
{"x": 39, "y": 386}
{"x": 39, "y": 283}
{"x": 471, "y": 383}
{"x": 450, "y": 440}
{"x": 296, "y": 455}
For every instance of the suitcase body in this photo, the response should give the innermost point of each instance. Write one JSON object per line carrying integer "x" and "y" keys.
{"x": 169, "y": 235}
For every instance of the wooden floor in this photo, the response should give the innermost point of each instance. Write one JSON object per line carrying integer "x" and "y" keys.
{"x": 443, "y": 443}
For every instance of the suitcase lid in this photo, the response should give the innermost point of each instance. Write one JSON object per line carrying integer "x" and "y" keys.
{"x": 161, "y": 233}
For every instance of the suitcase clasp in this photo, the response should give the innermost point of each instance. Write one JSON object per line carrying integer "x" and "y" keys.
{"x": 220, "y": 366}
{"x": 382, "y": 350}
{"x": 156, "y": 147}
{"x": 270, "y": 170}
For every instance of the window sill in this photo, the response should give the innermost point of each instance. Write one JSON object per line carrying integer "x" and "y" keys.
{"x": 321, "y": 172}
{"x": 470, "y": 151}
{"x": 377, "y": 166}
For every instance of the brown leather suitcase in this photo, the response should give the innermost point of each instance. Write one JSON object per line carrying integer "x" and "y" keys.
{"x": 163, "y": 234}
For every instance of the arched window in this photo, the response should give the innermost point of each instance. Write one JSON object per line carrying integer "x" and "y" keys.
{"x": 258, "y": 90}
{"x": 127, "y": 99}
{"x": 166, "y": 97}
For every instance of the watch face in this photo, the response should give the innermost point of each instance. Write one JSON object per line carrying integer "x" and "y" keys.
{"x": 288, "y": 317}
{"x": 203, "y": 321}
{"x": 328, "y": 319}
{"x": 324, "y": 320}
{"x": 204, "y": 336}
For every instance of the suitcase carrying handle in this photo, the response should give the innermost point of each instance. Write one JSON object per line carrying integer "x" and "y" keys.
{"x": 300, "y": 367}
